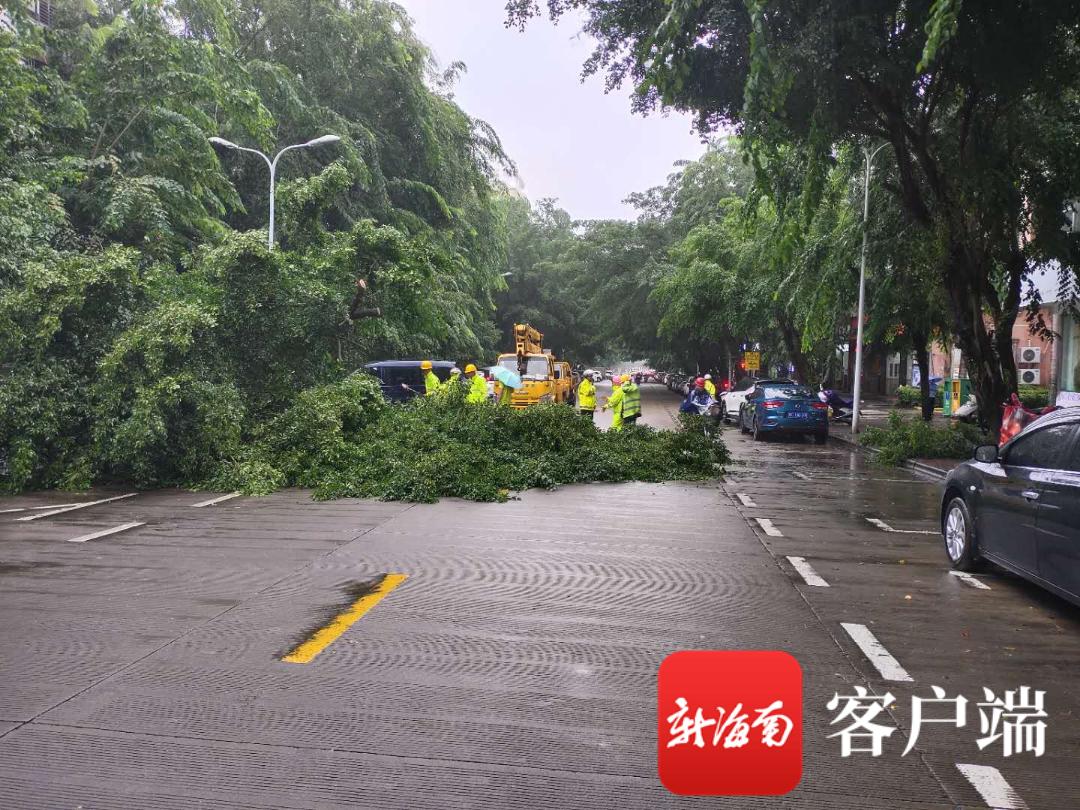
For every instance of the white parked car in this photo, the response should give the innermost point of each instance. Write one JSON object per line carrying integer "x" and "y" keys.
{"x": 731, "y": 402}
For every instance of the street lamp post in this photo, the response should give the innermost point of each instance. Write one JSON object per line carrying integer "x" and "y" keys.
{"x": 862, "y": 288}
{"x": 272, "y": 164}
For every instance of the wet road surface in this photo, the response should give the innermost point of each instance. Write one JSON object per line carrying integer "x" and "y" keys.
{"x": 511, "y": 661}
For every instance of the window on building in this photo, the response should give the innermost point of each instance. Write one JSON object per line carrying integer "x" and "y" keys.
{"x": 893, "y": 371}
{"x": 1070, "y": 354}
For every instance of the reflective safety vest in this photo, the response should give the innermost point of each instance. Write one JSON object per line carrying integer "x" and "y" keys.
{"x": 477, "y": 389}
{"x": 631, "y": 401}
{"x": 615, "y": 403}
{"x": 586, "y": 395}
{"x": 431, "y": 384}
{"x": 710, "y": 386}
{"x": 506, "y": 395}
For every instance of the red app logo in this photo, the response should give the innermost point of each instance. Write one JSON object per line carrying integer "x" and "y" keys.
{"x": 730, "y": 723}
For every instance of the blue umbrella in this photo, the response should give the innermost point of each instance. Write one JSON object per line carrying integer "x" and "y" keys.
{"x": 506, "y": 377}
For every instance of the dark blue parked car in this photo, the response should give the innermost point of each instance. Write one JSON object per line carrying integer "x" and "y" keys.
{"x": 773, "y": 407}
{"x": 401, "y": 380}
{"x": 1019, "y": 505}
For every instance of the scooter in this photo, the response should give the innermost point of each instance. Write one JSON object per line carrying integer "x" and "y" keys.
{"x": 837, "y": 404}
{"x": 968, "y": 412}
{"x": 710, "y": 409}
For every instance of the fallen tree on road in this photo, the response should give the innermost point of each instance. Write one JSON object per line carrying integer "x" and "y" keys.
{"x": 341, "y": 440}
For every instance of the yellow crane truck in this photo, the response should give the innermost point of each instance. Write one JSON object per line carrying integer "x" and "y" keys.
{"x": 544, "y": 378}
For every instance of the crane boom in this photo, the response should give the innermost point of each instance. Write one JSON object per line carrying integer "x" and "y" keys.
{"x": 527, "y": 340}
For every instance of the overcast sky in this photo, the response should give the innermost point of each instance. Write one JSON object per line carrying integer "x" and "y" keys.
{"x": 568, "y": 139}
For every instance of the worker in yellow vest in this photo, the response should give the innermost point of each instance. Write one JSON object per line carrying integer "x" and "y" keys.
{"x": 477, "y": 385}
{"x": 710, "y": 386}
{"x": 615, "y": 402}
{"x": 586, "y": 397}
{"x": 431, "y": 382}
{"x": 630, "y": 404}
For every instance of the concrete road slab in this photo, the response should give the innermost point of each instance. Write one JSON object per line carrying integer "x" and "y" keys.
{"x": 516, "y": 665}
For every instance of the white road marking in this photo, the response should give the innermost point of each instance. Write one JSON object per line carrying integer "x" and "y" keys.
{"x": 964, "y": 576}
{"x": 991, "y": 785}
{"x": 123, "y": 527}
{"x": 873, "y": 649}
{"x": 803, "y": 476}
{"x": 885, "y": 527}
{"x": 746, "y": 500}
{"x": 77, "y": 506}
{"x": 35, "y": 508}
{"x": 808, "y": 574}
{"x": 212, "y": 501}
{"x": 767, "y": 527}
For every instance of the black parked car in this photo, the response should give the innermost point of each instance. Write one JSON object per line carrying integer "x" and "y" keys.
{"x": 1019, "y": 506}
{"x": 402, "y": 380}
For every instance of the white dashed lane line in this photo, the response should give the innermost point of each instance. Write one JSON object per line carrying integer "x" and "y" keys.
{"x": 767, "y": 527}
{"x": 876, "y": 653}
{"x": 123, "y": 527}
{"x": 36, "y": 508}
{"x": 885, "y": 527}
{"x": 73, "y": 507}
{"x": 806, "y": 571}
{"x": 964, "y": 576}
{"x": 803, "y": 476}
{"x": 746, "y": 500}
{"x": 991, "y": 785}
{"x": 219, "y": 499}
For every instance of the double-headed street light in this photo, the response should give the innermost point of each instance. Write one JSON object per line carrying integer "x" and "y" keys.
{"x": 857, "y": 393}
{"x": 273, "y": 167}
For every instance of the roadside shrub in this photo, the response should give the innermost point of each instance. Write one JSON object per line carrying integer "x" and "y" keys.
{"x": 1034, "y": 396}
{"x": 909, "y": 396}
{"x": 904, "y": 439}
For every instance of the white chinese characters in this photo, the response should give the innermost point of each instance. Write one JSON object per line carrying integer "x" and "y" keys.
{"x": 730, "y": 729}
{"x": 1015, "y": 720}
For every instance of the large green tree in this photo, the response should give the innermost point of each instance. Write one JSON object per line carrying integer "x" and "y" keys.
{"x": 145, "y": 329}
{"x": 978, "y": 101}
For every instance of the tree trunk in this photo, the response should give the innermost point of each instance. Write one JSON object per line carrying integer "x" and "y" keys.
{"x": 987, "y": 350}
{"x": 921, "y": 343}
{"x": 793, "y": 344}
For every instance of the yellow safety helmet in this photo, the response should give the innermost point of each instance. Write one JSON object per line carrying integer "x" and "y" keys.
{"x": 469, "y": 369}
{"x": 425, "y": 365}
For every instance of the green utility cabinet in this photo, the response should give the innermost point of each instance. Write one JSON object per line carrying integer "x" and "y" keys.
{"x": 957, "y": 390}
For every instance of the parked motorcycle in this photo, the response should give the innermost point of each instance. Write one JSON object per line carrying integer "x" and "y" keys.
{"x": 841, "y": 407}
{"x": 969, "y": 411}
{"x": 709, "y": 408}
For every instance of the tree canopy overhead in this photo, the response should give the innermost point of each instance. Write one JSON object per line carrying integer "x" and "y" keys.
{"x": 978, "y": 101}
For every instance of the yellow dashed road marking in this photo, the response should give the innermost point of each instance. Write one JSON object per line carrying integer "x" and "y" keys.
{"x": 305, "y": 652}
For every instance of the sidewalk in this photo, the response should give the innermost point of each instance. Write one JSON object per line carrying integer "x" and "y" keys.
{"x": 875, "y": 413}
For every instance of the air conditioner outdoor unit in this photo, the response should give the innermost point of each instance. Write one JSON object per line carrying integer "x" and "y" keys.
{"x": 1072, "y": 217}
{"x": 1029, "y": 376}
{"x": 1030, "y": 354}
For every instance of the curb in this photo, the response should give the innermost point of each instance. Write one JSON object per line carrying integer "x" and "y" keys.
{"x": 911, "y": 464}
